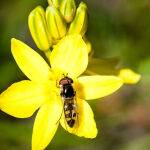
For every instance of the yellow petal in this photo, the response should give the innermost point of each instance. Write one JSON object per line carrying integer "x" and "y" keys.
{"x": 128, "y": 76}
{"x": 30, "y": 62}
{"x": 96, "y": 86}
{"x": 38, "y": 28}
{"x": 46, "y": 123}
{"x": 22, "y": 99}
{"x": 70, "y": 56}
{"x": 85, "y": 125}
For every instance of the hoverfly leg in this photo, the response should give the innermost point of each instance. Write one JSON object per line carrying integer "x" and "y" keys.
{"x": 57, "y": 85}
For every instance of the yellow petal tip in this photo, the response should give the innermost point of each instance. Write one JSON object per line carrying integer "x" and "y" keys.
{"x": 128, "y": 76}
{"x": 13, "y": 43}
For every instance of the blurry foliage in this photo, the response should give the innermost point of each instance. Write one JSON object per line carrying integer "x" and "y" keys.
{"x": 121, "y": 28}
{"x": 117, "y": 28}
{"x": 103, "y": 66}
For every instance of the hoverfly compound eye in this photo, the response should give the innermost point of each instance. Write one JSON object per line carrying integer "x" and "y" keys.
{"x": 65, "y": 80}
{"x": 70, "y": 80}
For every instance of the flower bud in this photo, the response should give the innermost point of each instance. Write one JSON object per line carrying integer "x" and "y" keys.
{"x": 56, "y": 24}
{"x": 68, "y": 8}
{"x": 88, "y": 44}
{"x": 79, "y": 24}
{"x": 55, "y": 3}
{"x": 38, "y": 28}
{"x": 129, "y": 76}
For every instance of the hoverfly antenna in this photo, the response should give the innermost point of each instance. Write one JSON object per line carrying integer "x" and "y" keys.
{"x": 65, "y": 75}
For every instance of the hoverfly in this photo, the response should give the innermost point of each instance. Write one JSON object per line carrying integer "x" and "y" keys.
{"x": 67, "y": 94}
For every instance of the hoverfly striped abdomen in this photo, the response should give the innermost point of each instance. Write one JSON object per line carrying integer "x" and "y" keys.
{"x": 67, "y": 93}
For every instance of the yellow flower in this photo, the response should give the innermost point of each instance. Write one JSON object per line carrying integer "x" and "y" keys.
{"x": 42, "y": 90}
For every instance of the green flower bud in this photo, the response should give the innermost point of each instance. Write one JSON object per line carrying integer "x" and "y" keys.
{"x": 38, "y": 28}
{"x": 79, "y": 24}
{"x": 55, "y": 3}
{"x": 89, "y": 46}
{"x": 56, "y": 24}
{"x": 68, "y": 8}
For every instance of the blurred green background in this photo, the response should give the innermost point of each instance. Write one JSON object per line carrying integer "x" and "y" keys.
{"x": 117, "y": 28}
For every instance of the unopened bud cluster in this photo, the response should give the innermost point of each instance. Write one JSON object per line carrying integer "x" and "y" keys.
{"x": 60, "y": 18}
